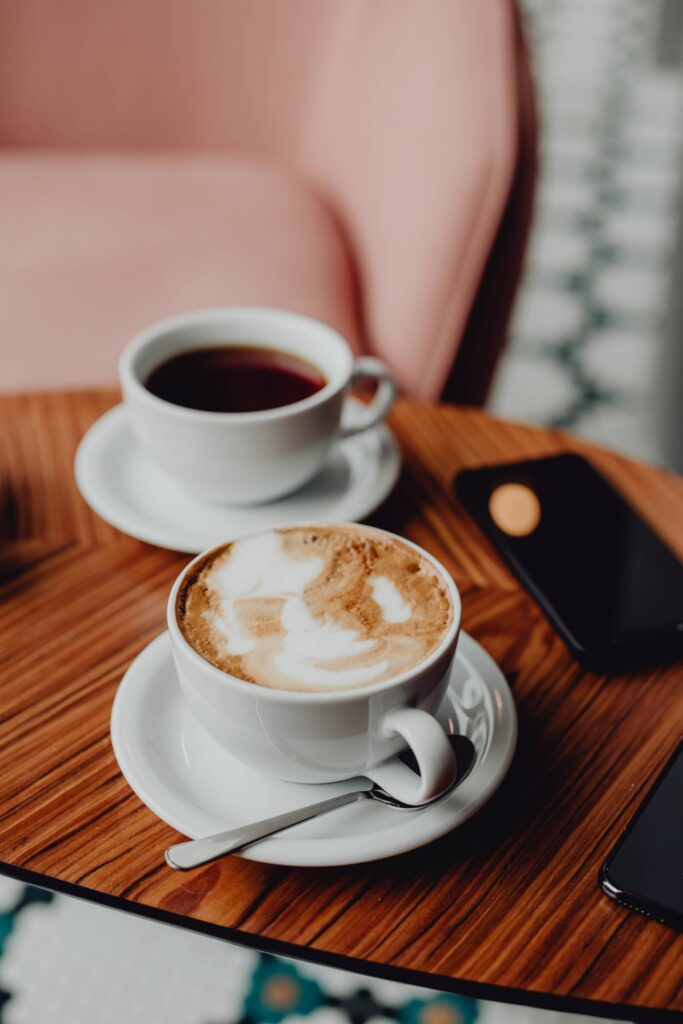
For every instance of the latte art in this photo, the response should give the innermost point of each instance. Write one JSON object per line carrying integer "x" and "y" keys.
{"x": 319, "y": 608}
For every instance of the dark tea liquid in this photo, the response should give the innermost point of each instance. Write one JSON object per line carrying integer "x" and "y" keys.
{"x": 234, "y": 378}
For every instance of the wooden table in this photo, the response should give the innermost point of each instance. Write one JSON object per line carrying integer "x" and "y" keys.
{"x": 506, "y": 907}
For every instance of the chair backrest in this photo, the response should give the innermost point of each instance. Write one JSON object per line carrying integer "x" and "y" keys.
{"x": 211, "y": 74}
{"x": 402, "y": 113}
{"x": 413, "y": 136}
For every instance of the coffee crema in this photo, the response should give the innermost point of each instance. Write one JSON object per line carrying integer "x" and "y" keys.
{"x": 234, "y": 378}
{"x": 315, "y": 608}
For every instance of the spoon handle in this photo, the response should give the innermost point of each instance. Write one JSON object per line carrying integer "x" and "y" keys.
{"x": 194, "y": 852}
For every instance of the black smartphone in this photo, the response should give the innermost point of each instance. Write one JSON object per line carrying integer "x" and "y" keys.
{"x": 644, "y": 871}
{"x": 609, "y": 585}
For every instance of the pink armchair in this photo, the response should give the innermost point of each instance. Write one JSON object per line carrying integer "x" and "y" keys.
{"x": 367, "y": 162}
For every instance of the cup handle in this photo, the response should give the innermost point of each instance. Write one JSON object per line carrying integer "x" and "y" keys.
{"x": 433, "y": 753}
{"x": 368, "y": 368}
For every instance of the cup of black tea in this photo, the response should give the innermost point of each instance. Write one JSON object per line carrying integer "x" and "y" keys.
{"x": 240, "y": 405}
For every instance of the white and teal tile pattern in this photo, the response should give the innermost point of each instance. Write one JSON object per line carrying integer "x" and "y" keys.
{"x": 589, "y": 336}
{"x": 64, "y": 961}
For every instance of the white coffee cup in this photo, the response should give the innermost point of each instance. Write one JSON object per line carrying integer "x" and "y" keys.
{"x": 329, "y": 736}
{"x": 248, "y": 457}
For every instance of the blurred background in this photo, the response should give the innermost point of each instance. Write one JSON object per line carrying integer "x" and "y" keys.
{"x": 368, "y": 166}
{"x": 595, "y": 340}
{"x": 593, "y": 347}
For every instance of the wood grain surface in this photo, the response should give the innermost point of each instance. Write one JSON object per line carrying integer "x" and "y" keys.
{"x": 509, "y": 900}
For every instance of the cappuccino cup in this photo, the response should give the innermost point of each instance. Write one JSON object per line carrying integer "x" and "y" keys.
{"x": 316, "y": 653}
{"x": 255, "y": 456}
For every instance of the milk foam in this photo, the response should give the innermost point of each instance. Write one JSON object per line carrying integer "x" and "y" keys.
{"x": 324, "y": 609}
{"x": 394, "y": 608}
{"x": 259, "y": 567}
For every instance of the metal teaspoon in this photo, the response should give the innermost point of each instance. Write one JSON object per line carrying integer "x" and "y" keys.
{"x": 195, "y": 852}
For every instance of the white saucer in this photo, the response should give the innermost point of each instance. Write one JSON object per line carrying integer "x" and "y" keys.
{"x": 128, "y": 491}
{"x": 194, "y": 786}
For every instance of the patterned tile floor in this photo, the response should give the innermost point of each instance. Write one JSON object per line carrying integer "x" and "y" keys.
{"x": 65, "y": 961}
{"x": 588, "y": 350}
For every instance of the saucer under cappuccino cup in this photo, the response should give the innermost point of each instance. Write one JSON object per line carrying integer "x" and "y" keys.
{"x": 247, "y": 457}
{"x": 317, "y": 652}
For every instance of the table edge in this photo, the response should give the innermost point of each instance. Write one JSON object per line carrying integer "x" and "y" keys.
{"x": 388, "y": 972}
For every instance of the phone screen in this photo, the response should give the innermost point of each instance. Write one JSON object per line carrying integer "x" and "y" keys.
{"x": 597, "y": 569}
{"x": 646, "y": 868}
